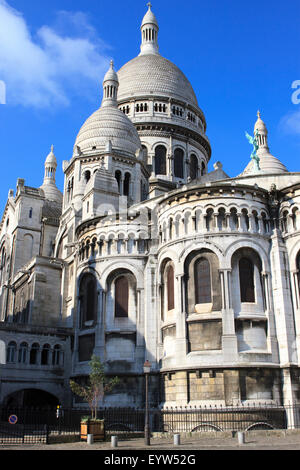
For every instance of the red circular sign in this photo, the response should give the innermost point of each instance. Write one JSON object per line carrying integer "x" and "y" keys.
{"x": 13, "y": 419}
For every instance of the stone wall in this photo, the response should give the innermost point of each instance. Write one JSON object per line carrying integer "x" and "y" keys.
{"x": 225, "y": 387}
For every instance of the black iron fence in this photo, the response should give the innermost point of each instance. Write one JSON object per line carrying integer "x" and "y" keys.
{"x": 38, "y": 425}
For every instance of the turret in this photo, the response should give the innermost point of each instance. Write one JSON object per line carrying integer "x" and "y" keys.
{"x": 149, "y": 29}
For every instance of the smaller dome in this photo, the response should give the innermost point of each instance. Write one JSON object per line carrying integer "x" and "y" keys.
{"x": 51, "y": 159}
{"x": 52, "y": 193}
{"x": 260, "y": 125}
{"x": 111, "y": 74}
{"x": 108, "y": 124}
{"x": 149, "y": 18}
{"x": 268, "y": 164}
{"x": 49, "y": 188}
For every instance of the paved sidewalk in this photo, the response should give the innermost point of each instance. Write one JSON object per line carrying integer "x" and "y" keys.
{"x": 253, "y": 441}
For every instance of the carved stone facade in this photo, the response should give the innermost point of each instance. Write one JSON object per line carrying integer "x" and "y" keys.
{"x": 146, "y": 255}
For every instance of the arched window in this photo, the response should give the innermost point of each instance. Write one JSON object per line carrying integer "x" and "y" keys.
{"x": 170, "y": 287}
{"x": 11, "y": 352}
{"x": 202, "y": 281}
{"x": 87, "y": 176}
{"x": 121, "y": 297}
{"x": 23, "y": 350}
{"x": 193, "y": 167}
{"x": 45, "y": 355}
{"x": 88, "y": 300}
{"x": 127, "y": 180}
{"x": 56, "y": 358}
{"x": 118, "y": 178}
{"x": 178, "y": 163}
{"x": 246, "y": 273}
{"x": 34, "y": 353}
{"x": 145, "y": 153}
{"x": 160, "y": 160}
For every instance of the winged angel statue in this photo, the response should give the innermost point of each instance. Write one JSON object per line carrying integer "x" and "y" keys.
{"x": 254, "y": 141}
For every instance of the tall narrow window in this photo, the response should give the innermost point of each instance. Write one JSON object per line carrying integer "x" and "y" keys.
{"x": 178, "y": 163}
{"x": 23, "y": 353}
{"x": 88, "y": 300}
{"x": 193, "y": 167}
{"x": 127, "y": 184}
{"x": 11, "y": 352}
{"x": 34, "y": 353}
{"x": 202, "y": 281}
{"x": 118, "y": 178}
{"x": 121, "y": 297}
{"x": 145, "y": 153}
{"x": 160, "y": 160}
{"x": 170, "y": 287}
{"x": 246, "y": 271}
{"x": 56, "y": 357}
{"x": 45, "y": 356}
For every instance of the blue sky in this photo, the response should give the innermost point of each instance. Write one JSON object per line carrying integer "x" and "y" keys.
{"x": 239, "y": 57}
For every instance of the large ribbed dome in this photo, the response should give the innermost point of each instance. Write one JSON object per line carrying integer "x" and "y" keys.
{"x": 152, "y": 74}
{"x": 108, "y": 124}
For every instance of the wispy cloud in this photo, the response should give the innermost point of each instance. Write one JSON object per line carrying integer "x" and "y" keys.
{"x": 45, "y": 69}
{"x": 290, "y": 123}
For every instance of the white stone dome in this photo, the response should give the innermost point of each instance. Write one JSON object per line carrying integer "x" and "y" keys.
{"x": 152, "y": 74}
{"x": 108, "y": 124}
{"x": 52, "y": 193}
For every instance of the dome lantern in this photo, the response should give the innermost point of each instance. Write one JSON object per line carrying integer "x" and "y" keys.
{"x": 110, "y": 87}
{"x": 149, "y": 29}
{"x": 50, "y": 190}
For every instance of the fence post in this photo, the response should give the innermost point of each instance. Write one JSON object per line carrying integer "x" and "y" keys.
{"x": 47, "y": 434}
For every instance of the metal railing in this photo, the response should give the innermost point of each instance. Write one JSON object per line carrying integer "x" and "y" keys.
{"x": 34, "y": 425}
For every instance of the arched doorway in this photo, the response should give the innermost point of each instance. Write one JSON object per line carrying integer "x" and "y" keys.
{"x": 31, "y": 397}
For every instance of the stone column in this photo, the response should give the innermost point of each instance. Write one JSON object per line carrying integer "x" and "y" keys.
{"x": 100, "y": 329}
{"x": 269, "y": 309}
{"x": 284, "y": 315}
{"x": 227, "y": 219}
{"x": 229, "y": 339}
{"x": 296, "y": 303}
{"x": 239, "y": 222}
{"x": 181, "y": 335}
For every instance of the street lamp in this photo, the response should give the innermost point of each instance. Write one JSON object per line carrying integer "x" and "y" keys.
{"x": 147, "y": 368}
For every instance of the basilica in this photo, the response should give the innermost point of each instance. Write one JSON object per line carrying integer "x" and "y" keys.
{"x": 148, "y": 256}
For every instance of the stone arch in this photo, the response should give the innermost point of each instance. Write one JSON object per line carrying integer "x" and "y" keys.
{"x": 293, "y": 255}
{"x": 246, "y": 243}
{"x": 26, "y": 396}
{"x": 202, "y": 281}
{"x": 137, "y": 272}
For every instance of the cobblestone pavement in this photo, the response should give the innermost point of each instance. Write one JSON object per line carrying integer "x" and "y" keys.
{"x": 190, "y": 444}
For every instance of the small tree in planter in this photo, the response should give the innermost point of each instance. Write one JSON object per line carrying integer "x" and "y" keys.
{"x": 93, "y": 393}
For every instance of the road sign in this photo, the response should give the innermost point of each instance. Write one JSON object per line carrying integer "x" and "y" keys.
{"x": 13, "y": 419}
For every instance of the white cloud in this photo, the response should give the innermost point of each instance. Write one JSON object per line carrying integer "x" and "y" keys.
{"x": 44, "y": 70}
{"x": 290, "y": 123}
